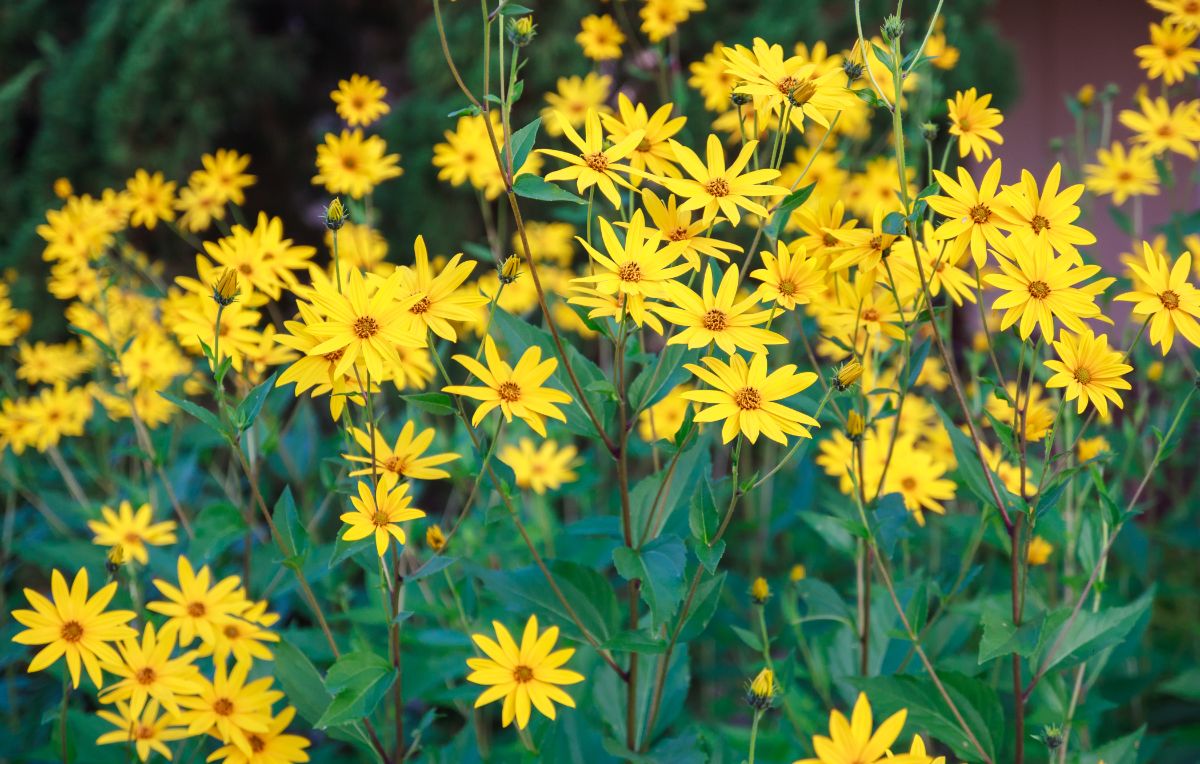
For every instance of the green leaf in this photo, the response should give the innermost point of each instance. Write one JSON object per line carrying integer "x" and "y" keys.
{"x": 1123, "y": 750}
{"x": 1122, "y": 220}
{"x": 917, "y": 363}
{"x": 751, "y": 639}
{"x": 970, "y": 469}
{"x": 301, "y": 681}
{"x": 291, "y": 529}
{"x": 1001, "y": 638}
{"x": 704, "y": 606}
{"x": 357, "y": 682}
{"x": 248, "y": 410}
{"x": 522, "y": 140}
{"x": 636, "y": 642}
{"x": 216, "y": 527}
{"x": 893, "y": 223}
{"x": 784, "y": 211}
{"x": 656, "y": 379}
{"x": 822, "y": 602}
{"x": 512, "y": 9}
{"x": 536, "y": 187}
{"x": 659, "y": 565}
{"x": 439, "y": 404}
{"x": 709, "y": 556}
{"x": 1093, "y": 632}
{"x": 692, "y": 464}
{"x": 466, "y": 111}
{"x": 203, "y": 414}
{"x": 432, "y": 565}
{"x": 704, "y": 515}
{"x": 587, "y": 590}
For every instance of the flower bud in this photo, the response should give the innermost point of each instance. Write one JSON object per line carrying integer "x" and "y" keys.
{"x": 115, "y": 559}
{"x": 847, "y": 375}
{"x": 1086, "y": 95}
{"x": 1052, "y": 735}
{"x": 852, "y": 69}
{"x": 929, "y": 131}
{"x": 226, "y": 290}
{"x": 762, "y": 690}
{"x": 798, "y": 573}
{"x": 434, "y": 538}
{"x": 63, "y": 188}
{"x": 335, "y": 215}
{"x": 893, "y": 28}
{"x": 510, "y": 269}
{"x": 520, "y": 31}
{"x": 855, "y": 426}
{"x": 760, "y": 590}
{"x": 739, "y": 99}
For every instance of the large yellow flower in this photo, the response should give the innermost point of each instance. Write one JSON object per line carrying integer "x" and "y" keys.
{"x": 718, "y": 316}
{"x": 594, "y": 165}
{"x": 748, "y": 398}
{"x": 575, "y": 97}
{"x": 716, "y": 188}
{"x": 1089, "y": 370}
{"x": 1170, "y": 54}
{"x": 349, "y": 164}
{"x": 378, "y": 513}
{"x": 1161, "y": 127}
{"x": 1122, "y": 174}
{"x": 149, "y": 673}
{"x": 360, "y": 100}
{"x": 971, "y": 211}
{"x": 864, "y": 247}
{"x": 151, "y": 199}
{"x": 516, "y": 391}
{"x": 541, "y": 467}
{"x": 1040, "y": 287}
{"x": 789, "y": 277}
{"x": 439, "y": 299}
{"x": 405, "y": 459}
{"x": 1167, "y": 297}
{"x": 132, "y": 531}
{"x": 652, "y": 153}
{"x": 195, "y": 608}
{"x": 1047, "y": 216}
{"x": 229, "y": 707}
{"x": 676, "y": 225}
{"x": 315, "y": 371}
{"x": 857, "y": 741}
{"x": 145, "y": 732}
{"x": 525, "y": 676}
{"x": 710, "y": 76}
{"x": 973, "y": 121}
{"x": 224, "y": 175}
{"x": 779, "y": 83}
{"x": 73, "y": 625}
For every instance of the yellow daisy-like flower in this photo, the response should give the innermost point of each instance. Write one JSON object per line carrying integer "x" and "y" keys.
{"x": 1167, "y": 297}
{"x": 710, "y": 76}
{"x": 194, "y": 608}
{"x": 864, "y": 247}
{"x": 273, "y": 746}
{"x": 363, "y": 325}
{"x": 719, "y": 189}
{"x": 676, "y": 225}
{"x": 1039, "y": 551}
{"x": 789, "y": 277}
{"x": 360, "y": 100}
{"x": 243, "y": 639}
{"x": 229, "y": 707}
{"x": 1170, "y": 55}
{"x": 857, "y": 741}
{"x": 405, "y": 459}
{"x": 380, "y": 513}
{"x": 747, "y": 398}
{"x": 149, "y": 673}
{"x": 1040, "y": 287}
{"x": 594, "y": 165}
{"x": 974, "y": 123}
{"x": 920, "y": 479}
{"x": 575, "y": 97}
{"x": 779, "y": 83}
{"x": 663, "y": 420}
{"x": 971, "y": 210}
{"x": 543, "y": 467}
{"x": 151, "y": 199}
{"x": 718, "y": 316}
{"x": 74, "y": 625}
{"x": 439, "y": 299}
{"x": 1045, "y": 216}
{"x": 516, "y": 391}
{"x": 146, "y": 730}
{"x": 224, "y": 175}
{"x": 1038, "y": 411}
{"x": 1185, "y": 12}
{"x": 1090, "y": 448}
{"x": 653, "y": 153}
{"x": 1161, "y": 127}
{"x": 1089, "y": 370}
{"x": 132, "y": 531}
{"x": 525, "y": 676}
{"x": 349, "y": 164}
{"x": 661, "y": 18}
{"x": 1122, "y": 174}
{"x": 315, "y": 371}
{"x": 600, "y": 37}
{"x": 822, "y": 225}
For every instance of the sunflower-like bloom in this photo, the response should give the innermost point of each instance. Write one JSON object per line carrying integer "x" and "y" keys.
{"x": 353, "y": 165}
{"x": 132, "y": 531}
{"x": 1040, "y": 287}
{"x": 789, "y": 277}
{"x": 600, "y": 37}
{"x": 864, "y": 247}
{"x": 676, "y": 225}
{"x": 542, "y": 467}
{"x": 1089, "y": 370}
{"x": 717, "y": 188}
{"x": 1122, "y": 174}
{"x": 1047, "y": 216}
{"x": 1167, "y": 297}
{"x": 405, "y": 459}
{"x": 439, "y": 299}
{"x": 574, "y": 97}
{"x": 652, "y": 155}
{"x": 516, "y": 391}
{"x": 594, "y": 165}
{"x": 145, "y": 731}
{"x": 1170, "y": 54}
{"x": 971, "y": 212}
{"x": 856, "y": 741}
{"x": 747, "y": 398}
{"x": 791, "y": 84}
{"x": 973, "y": 121}
{"x": 273, "y": 746}
{"x": 194, "y": 608}
{"x": 149, "y": 673}
{"x": 1161, "y": 127}
{"x": 151, "y": 199}
{"x": 1183, "y": 12}
{"x": 525, "y": 676}
{"x": 73, "y": 625}
{"x": 920, "y": 479}
{"x": 379, "y": 512}
{"x": 360, "y": 100}
{"x": 229, "y": 707}
{"x": 718, "y": 316}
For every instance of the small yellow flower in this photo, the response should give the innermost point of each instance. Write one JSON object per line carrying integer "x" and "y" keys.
{"x": 593, "y": 165}
{"x": 762, "y": 690}
{"x": 434, "y": 538}
{"x": 63, "y": 188}
{"x": 379, "y": 512}
{"x": 1086, "y": 95}
{"x": 1090, "y": 448}
{"x": 360, "y": 100}
{"x": 600, "y": 37}
{"x": 510, "y": 270}
{"x": 855, "y": 425}
{"x": 798, "y": 573}
{"x": 973, "y": 121}
{"x": 225, "y": 292}
{"x": 748, "y": 399}
{"x": 1089, "y": 370}
{"x": 335, "y": 215}
{"x": 543, "y": 467}
{"x": 847, "y": 374}
{"x": 760, "y": 590}
{"x": 1039, "y": 551}
{"x": 145, "y": 732}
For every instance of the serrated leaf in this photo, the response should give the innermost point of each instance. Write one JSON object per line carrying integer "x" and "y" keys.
{"x": 249, "y": 409}
{"x": 1092, "y": 632}
{"x": 291, "y": 530}
{"x": 523, "y": 140}
{"x": 659, "y": 565}
{"x": 537, "y": 188}
{"x": 709, "y": 556}
{"x": 357, "y": 681}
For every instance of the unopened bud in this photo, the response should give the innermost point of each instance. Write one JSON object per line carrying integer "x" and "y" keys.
{"x": 852, "y": 69}
{"x": 520, "y": 31}
{"x": 929, "y": 131}
{"x": 739, "y": 99}
{"x": 855, "y": 425}
{"x": 226, "y": 290}
{"x": 847, "y": 375}
{"x": 798, "y": 573}
{"x": 1086, "y": 95}
{"x": 893, "y": 28}
{"x": 510, "y": 269}
{"x": 760, "y": 590}
{"x": 115, "y": 559}
{"x": 335, "y": 215}
{"x": 435, "y": 538}
{"x": 761, "y": 693}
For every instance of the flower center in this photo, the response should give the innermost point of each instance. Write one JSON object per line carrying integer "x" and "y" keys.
{"x": 980, "y": 213}
{"x": 717, "y": 187}
{"x": 1039, "y": 290}
{"x": 596, "y": 161}
{"x": 787, "y": 85}
{"x": 72, "y": 631}
{"x": 715, "y": 321}
{"x": 231, "y": 631}
{"x": 335, "y": 356}
{"x": 393, "y": 464}
{"x": 146, "y": 675}
{"x": 509, "y": 391}
{"x": 829, "y": 240}
{"x": 365, "y": 327}
{"x": 223, "y": 706}
{"x": 1170, "y": 299}
{"x": 787, "y": 288}
{"x": 381, "y": 518}
{"x": 908, "y": 483}
{"x": 144, "y": 732}
{"x": 747, "y": 399}
{"x": 870, "y": 315}
{"x": 523, "y": 674}
{"x": 679, "y": 234}
{"x": 420, "y": 306}
{"x": 246, "y": 269}
{"x": 876, "y": 243}
{"x": 1039, "y": 223}
{"x": 1083, "y": 376}
{"x": 196, "y": 609}
{"x": 133, "y": 538}
{"x": 630, "y": 271}
{"x": 257, "y": 744}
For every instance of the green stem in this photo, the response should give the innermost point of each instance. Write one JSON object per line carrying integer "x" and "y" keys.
{"x": 754, "y": 734}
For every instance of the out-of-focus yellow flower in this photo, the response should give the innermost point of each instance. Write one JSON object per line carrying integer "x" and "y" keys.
{"x": 1039, "y": 551}
{"x": 600, "y": 37}
{"x": 360, "y": 100}
{"x": 760, "y": 590}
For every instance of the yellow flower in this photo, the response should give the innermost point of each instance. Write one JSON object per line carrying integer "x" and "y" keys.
{"x": 762, "y": 689}
{"x": 63, "y": 188}
{"x": 822, "y": 225}
{"x": 149, "y": 673}
{"x": 760, "y": 590}
{"x": 974, "y": 123}
{"x": 360, "y": 100}
{"x": 652, "y": 155}
{"x": 525, "y": 676}
{"x": 944, "y": 55}
{"x": 710, "y": 76}
{"x": 405, "y": 459}
{"x": 1122, "y": 175}
{"x": 435, "y": 538}
{"x": 789, "y": 278}
{"x": 849, "y": 373}
{"x": 1039, "y": 551}
{"x": 675, "y": 225}
{"x": 600, "y": 37}
{"x": 270, "y": 747}
{"x": 1090, "y": 448}
{"x": 1086, "y": 95}
{"x": 144, "y": 731}
{"x": 348, "y": 164}
{"x": 791, "y": 84}
{"x": 151, "y": 199}
{"x": 748, "y": 399}
{"x": 661, "y": 18}
{"x": 855, "y": 741}
{"x": 194, "y": 608}
{"x": 919, "y": 478}
{"x": 243, "y": 639}
{"x": 224, "y": 176}
{"x": 316, "y": 371}
{"x": 1089, "y": 370}
{"x": 200, "y": 206}
{"x": 1046, "y": 217}
{"x": 230, "y": 708}
{"x": 916, "y": 752}
{"x": 716, "y": 188}
{"x": 379, "y": 512}
{"x": 718, "y": 316}
{"x": 663, "y": 420}
{"x": 543, "y": 467}
{"x": 73, "y": 625}
{"x": 439, "y": 299}
{"x": 1170, "y": 54}
{"x": 1040, "y": 287}
{"x": 864, "y": 247}
{"x": 515, "y": 390}
{"x": 132, "y": 530}
{"x": 574, "y": 97}
{"x": 1161, "y": 127}
{"x": 971, "y": 211}
{"x": 594, "y": 165}
{"x": 1038, "y": 413}
{"x": 1184, "y": 12}
{"x": 1166, "y": 297}
{"x": 798, "y": 573}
